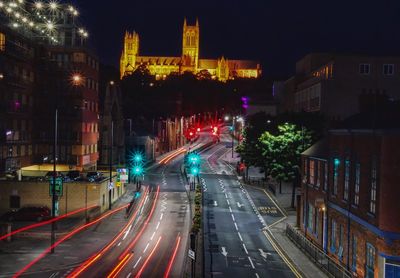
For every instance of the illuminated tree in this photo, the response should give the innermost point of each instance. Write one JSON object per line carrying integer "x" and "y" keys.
{"x": 282, "y": 152}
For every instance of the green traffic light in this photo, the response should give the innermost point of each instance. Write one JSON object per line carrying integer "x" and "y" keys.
{"x": 194, "y": 171}
{"x": 137, "y": 170}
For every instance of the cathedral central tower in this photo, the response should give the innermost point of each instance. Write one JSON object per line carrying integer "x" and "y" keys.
{"x": 190, "y": 47}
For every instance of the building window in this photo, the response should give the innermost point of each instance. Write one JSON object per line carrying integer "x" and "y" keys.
{"x": 336, "y": 164}
{"x": 312, "y": 172}
{"x": 2, "y": 42}
{"x": 326, "y": 176}
{"x": 346, "y": 180}
{"x": 305, "y": 171}
{"x": 340, "y": 250}
{"x": 333, "y": 236}
{"x": 354, "y": 253}
{"x": 365, "y": 69}
{"x": 357, "y": 184}
{"x": 388, "y": 69}
{"x": 310, "y": 216}
{"x": 372, "y": 203}
{"x": 318, "y": 174}
{"x": 370, "y": 261}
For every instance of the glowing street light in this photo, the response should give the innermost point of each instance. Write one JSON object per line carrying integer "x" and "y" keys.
{"x": 76, "y": 79}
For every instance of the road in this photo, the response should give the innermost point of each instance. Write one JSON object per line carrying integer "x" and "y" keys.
{"x": 153, "y": 241}
{"x": 234, "y": 242}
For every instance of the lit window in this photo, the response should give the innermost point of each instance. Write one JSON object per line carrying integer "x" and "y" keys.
{"x": 346, "y": 180}
{"x": 365, "y": 69}
{"x": 2, "y": 42}
{"x": 318, "y": 173}
{"x": 340, "y": 250}
{"x": 372, "y": 204}
{"x": 388, "y": 69}
{"x": 356, "y": 200}
{"x": 370, "y": 261}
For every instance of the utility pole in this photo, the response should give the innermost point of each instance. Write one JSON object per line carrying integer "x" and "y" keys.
{"x": 54, "y": 198}
{"x": 110, "y": 187}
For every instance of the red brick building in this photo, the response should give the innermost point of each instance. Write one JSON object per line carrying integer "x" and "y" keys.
{"x": 350, "y": 199}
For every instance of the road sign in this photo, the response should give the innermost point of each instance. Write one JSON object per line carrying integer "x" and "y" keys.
{"x": 110, "y": 185}
{"x": 192, "y": 254}
{"x": 58, "y": 186}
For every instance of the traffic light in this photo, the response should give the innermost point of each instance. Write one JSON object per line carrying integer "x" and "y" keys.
{"x": 193, "y": 159}
{"x": 194, "y": 170}
{"x": 137, "y": 170}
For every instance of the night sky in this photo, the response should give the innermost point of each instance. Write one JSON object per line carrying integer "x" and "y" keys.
{"x": 277, "y": 33}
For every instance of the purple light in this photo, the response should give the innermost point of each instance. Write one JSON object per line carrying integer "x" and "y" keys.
{"x": 17, "y": 105}
{"x": 8, "y": 132}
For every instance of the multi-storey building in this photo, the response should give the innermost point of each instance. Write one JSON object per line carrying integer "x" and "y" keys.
{"x": 332, "y": 83}
{"x": 221, "y": 69}
{"x": 350, "y": 206}
{"x": 45, "y": 66}
{"x": 17, "y": 77}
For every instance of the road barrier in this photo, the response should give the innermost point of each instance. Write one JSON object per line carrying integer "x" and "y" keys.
{"x": 322, "y": 260}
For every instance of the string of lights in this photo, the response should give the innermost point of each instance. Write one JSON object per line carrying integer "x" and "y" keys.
{"x": 43, "y": 19}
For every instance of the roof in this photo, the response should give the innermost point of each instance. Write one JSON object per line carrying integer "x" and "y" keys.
{"x": 318, "y": 150}
{"x": 208, "y": 63}
{"x": 243, "y": 64}
{"x": 155, "y": 60}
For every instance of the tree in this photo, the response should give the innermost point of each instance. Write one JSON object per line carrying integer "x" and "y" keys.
{"x": 249, "y": 149}
{"x": 282, "y": 152}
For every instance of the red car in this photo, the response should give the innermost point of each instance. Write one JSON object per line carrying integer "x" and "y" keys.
{"x": 27, "y": 214}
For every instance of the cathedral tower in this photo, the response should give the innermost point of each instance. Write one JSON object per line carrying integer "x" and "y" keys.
{"x": 129, "y": 53}
{"x": 190, "y": 47}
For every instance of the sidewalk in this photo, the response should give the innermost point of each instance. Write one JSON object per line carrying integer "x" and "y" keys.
{"x": 302, "y": 263}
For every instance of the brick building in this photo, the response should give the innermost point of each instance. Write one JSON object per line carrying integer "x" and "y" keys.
{"x": 332, "y": 83}
{"x": 350, "y": 206}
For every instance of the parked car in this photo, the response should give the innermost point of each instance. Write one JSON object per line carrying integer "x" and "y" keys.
{"x": 94, "y": 176}
{"x": 27, "y": 214}
{"x": 50, "y": 175}
{"x": 73, "y": 175}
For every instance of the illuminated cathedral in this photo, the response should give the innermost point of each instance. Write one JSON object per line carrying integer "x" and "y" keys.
{"x": 221, "y": 69}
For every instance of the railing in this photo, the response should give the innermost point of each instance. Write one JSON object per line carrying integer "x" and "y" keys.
{"x": 321, "y": 259}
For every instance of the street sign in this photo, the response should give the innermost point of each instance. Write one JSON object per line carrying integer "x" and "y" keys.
{"x": 118, "y": 183}
{"x": 192, "y": 254}
{"x": 58, "y": 186}
{"x": 110, "y": 185}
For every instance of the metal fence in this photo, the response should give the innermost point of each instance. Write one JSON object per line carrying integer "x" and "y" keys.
{"x": 321, "y": 259}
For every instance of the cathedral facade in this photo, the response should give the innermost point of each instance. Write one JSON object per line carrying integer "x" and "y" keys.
{"x": 221, "y": 69}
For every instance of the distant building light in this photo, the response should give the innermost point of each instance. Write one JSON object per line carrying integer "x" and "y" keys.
{"x": 1, "y": 76}
{"x": 111, "y": 82}
{"x": 8, "y": 133}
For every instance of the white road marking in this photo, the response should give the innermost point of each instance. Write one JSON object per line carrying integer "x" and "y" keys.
{"x": 147, "y": 246}
{"x": 226, "y": 196}
{"x": 158, "y": 224}
{"x": 230, "y": 209}
{"x": 233, "y": 217}
{"x": 161, "y": 216}
{"x": 137, "y": 261}
{"x": 127, "y": 232}
{"x": 240, "y": 236}
{"x": 119, "y": 244}
{"x": 245, "y": 249}
{"x": 236, "y": 226}
{"x": 130, "y": 273}
{"x": 251, "y": 262}
{"x": 228, "y": 201}
{"x": 257, "y": 275}
{"x": 152, "y": 236}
